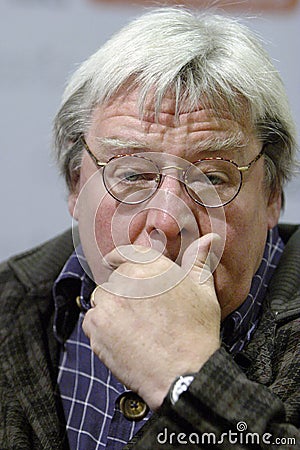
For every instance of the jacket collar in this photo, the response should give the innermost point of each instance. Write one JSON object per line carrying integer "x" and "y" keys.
{"x": 282, "y": 303}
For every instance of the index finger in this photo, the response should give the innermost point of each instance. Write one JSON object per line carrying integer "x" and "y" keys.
{"x": 137, "y": 254}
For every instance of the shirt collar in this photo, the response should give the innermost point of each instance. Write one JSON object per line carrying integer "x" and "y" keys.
{"x": 71, "y": 292}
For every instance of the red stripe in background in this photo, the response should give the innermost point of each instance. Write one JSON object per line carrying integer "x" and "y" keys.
{"x": 238, "y": 5}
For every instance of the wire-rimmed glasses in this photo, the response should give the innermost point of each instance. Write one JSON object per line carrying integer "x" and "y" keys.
{"x": 210, "y": 182}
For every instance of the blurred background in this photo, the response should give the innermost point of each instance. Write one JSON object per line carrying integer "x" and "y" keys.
{"x": 41, "y": 44}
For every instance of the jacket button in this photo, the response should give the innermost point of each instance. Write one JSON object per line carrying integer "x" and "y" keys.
{"x": 132, "y": 406}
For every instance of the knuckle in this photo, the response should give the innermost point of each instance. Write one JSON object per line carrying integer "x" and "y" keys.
{"x": 87, "y": 321}
{"x": 95, "y": 347}
{"x": 149, "y": 267}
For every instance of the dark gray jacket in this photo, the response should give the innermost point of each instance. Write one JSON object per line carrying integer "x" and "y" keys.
{"x": 260, "y": 386}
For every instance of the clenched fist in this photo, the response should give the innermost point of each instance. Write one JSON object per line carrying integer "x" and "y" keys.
{"x": 149, "y": 336}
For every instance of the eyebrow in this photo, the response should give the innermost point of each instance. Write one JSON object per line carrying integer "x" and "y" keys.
{"x": 235, "y": 141}
{"x": 110, "y": 146}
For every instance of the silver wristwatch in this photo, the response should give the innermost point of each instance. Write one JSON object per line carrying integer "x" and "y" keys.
{"x": 180, "y": 385}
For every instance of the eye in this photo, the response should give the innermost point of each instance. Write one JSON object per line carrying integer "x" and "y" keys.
{"x": 131, "y": 177}
{"x": 217, "y": 178}
{"x": 208, "y": 178}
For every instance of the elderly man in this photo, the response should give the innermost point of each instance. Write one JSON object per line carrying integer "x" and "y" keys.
{"x": 175, "y": 321}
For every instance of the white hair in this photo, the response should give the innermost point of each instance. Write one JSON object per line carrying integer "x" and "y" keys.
{"x": 198, "y": 57}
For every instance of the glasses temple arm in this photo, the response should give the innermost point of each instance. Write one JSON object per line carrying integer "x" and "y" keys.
{"x": 247, "y": 167}
{"x": 96, "y": 161}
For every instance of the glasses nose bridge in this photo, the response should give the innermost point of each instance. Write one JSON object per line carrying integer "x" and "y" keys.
{"x": 179, "y": 170}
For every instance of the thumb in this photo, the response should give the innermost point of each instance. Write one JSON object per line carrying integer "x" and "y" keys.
{"x": 202, "y": 257}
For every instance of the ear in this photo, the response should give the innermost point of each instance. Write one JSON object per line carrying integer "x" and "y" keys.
{"x": 73, "y": 195}
{"x": 274, "y": 208}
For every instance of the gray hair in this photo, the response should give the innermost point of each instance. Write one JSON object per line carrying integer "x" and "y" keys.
{"x": 201, "y": 56}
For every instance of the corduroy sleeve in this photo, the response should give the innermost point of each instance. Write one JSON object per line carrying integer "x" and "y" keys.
{"x": 222, "y": 409}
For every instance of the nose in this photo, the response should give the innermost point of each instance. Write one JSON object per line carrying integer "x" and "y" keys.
{"x": 170, "y": 211}
{"x": 167, "y": 221}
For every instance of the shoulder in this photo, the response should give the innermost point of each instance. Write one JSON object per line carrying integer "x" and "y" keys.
{"x": 284, "y": 289}
{"x": 39, "y": 263}
{"x": 288, "y": 231}
{"x": 30, "y": 275}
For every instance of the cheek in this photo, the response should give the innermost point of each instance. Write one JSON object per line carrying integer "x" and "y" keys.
{"x": 246, "y": 234}
{"x": 103, "y": 222}
{"x": 103, "y": 228}
{"x": 117, "y": 224}
{"x": 94, "y": 210}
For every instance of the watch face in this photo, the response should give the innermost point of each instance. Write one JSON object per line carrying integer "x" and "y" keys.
{"x": 180, "y": 385}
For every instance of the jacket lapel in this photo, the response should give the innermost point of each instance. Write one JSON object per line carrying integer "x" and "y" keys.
{"x": 260, "y": 349}
{"x": 28, "y": 347}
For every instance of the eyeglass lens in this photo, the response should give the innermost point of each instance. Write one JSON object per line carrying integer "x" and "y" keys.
{"x": 134, "y": 179}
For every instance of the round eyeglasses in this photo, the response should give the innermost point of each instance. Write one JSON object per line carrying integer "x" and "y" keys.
{"x": 133, "y": 179}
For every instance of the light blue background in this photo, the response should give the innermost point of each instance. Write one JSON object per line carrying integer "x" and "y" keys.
{"x": 41, "y": 43}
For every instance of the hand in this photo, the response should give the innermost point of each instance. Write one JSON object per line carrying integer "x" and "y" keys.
{"x": 147, "y": 342}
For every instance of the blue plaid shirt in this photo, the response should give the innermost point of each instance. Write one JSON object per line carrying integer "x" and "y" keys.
{"x": 88, "y": 389}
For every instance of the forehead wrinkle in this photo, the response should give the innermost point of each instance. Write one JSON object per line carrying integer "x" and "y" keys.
{"x": 233, "y": 142}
